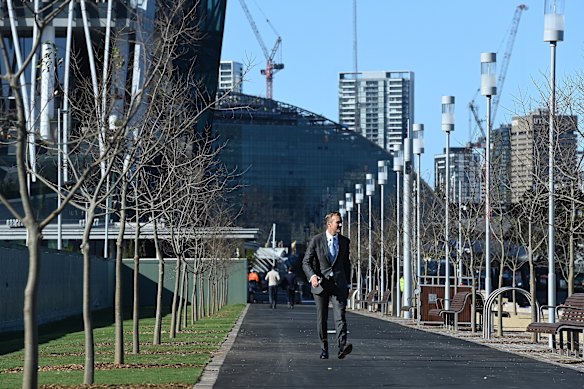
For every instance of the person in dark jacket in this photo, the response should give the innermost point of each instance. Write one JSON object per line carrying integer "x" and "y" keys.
{"x": 289, "y": 283}
{"x": 328, "y": 269}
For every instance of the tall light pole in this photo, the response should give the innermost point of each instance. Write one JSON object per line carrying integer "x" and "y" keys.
{"x": 359, "y": 201}
{"x": 447, "y": 127}
{"x": 349, "y": 208}
{"x": 488, "y": 89}
{"x": 369, "y": 191}
{"x": 553, "y": 33}
{"x": 398, "y": 165}
{"x": 59, "y": 181}
{"x": 381, "y": 180}
{"x": 460, "y": 269}
{"x": 418, "y": 150}
{"x": 343, "y": 212}
{"x": 407, "y": 221}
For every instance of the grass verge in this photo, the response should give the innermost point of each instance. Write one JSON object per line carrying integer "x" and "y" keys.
{"x": 175, "y": 363}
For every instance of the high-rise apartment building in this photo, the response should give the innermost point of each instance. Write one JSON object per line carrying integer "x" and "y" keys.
{"x": 465, "y": 173}
{"x": 230, "y": 77}
{"x": 529, "y": 151}
{"x": 377, "y": 104}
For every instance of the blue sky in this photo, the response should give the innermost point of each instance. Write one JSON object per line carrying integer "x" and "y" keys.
{"x": 440, "y": 41}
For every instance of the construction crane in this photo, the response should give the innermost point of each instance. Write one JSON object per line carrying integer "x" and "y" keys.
{"x": 501, "y": 79}
{"x": 271, "y": 67}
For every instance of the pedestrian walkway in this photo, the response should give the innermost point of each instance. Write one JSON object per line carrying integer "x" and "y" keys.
{"x": 280, "y": 349}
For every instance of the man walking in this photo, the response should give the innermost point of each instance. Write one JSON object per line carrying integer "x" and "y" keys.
{"x": 289, "y": 283}
{"x": 273, "y": 278}
{"x": 328, "y": 269}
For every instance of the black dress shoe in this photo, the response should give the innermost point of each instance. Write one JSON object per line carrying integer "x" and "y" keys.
{"x": 345, "y": 350}
{"x": 324, "y": 354}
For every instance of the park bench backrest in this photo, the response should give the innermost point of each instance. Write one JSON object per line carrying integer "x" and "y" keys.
{"x": 369, "y": 297}
{"x": 459, "y": 301}
{"x": 385, "y": 297}
{"x": 572, "y": 310}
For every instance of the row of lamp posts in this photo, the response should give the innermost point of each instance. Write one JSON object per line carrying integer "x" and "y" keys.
{"x": 553, "y": 33}
{"x": 401, "y": 165}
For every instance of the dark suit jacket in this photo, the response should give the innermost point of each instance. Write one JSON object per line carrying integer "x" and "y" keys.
{"x": 316, "y": 261}
{"x": 289, "y": 281}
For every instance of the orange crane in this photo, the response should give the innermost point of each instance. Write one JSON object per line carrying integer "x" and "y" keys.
{"x": 271, "y": 66}
{"x": 500, "y": 80}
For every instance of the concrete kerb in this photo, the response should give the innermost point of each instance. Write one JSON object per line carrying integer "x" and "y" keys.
{"x": 211, "y": 372}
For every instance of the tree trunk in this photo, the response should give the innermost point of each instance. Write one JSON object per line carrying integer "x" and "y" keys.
{"x": 89, "y": 373}
{"x": 118, "y": 302}
{"x": 31, "y": 352}
{"x": 181, "y": 296}
{"x": 136, "y": 308}
{"x": 185, "y": 295}
{"x": 571, "y": 247}
{"x": 532, "y": 287}
{"x": 500, "y": 298}
{"x": 174, "y": 299}
{"x": 194, "y": 298}
{"x": 159, "y": 287}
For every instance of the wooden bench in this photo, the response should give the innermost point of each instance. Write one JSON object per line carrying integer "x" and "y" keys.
{"x": 569, "y": 318}
{"x": 459, "y": 302}
{"x": 368, "y": 299}
{"x": 383, "y": 302}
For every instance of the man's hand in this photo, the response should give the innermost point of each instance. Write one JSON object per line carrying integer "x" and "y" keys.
{"x": 314, "y": 280}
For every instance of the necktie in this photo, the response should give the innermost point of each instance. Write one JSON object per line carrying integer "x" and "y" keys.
{"x": 332, "y": 248}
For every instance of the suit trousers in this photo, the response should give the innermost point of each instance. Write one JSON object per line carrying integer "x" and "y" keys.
{"x": 273, "y": 295}
{"x": 339, "y": 307}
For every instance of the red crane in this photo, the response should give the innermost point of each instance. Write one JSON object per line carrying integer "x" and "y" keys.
{"x": 271, "y": 66}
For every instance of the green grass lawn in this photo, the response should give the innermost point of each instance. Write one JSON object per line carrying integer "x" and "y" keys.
{"x": 179, "y": 361}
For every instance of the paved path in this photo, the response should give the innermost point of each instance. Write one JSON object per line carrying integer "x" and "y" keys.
{"x": 279, "y": 349}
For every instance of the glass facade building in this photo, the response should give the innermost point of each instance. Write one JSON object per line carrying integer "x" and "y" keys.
{"x": 73, "y": 47}
{"x": 295, "y": 165}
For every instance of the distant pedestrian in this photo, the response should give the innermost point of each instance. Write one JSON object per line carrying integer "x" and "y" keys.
{"x": 328, "y": 269}
{"x": 273, "y": 278}
{"x": 253, "y": 280}
{"x": 289, "y": 284}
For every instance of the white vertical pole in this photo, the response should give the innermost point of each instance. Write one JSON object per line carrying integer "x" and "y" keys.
{"x": 551, "y": 191}
{"x": 59, "y": 182}
{"x": 488, "y": 282}
{"x": 381, "y": 254}
{"x": 460, "y": 269}
{"x": 407, "y": 221}
{"x": 447, "y": 226}
{"x": 398, "y": 240}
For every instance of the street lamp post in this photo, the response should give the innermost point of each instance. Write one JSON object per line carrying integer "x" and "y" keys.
{"x": 343, "y": 212}
{"x": 407, "y": 222}
{"x": 459, "y": 253}
{"x": 349, "y": 208}
{"x": 488, "y": 89}
{"x": 59, "y": 181}
{"x": 553, "y": 33}
{"x": 381, "y": 180}
{"x": 359, "y": 201}
{"x": 447, "y": 127}
{"x": 398, "y": 164}
{"x": 418, "y": 150}
{"x": 369, "y": 191}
